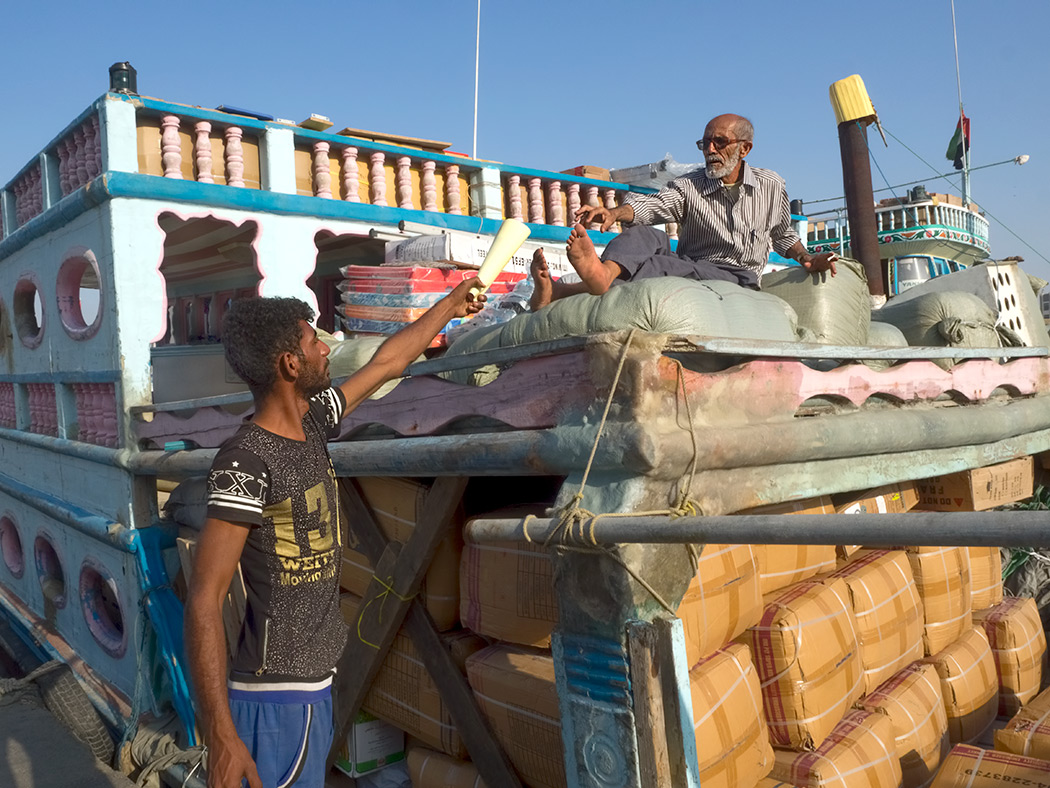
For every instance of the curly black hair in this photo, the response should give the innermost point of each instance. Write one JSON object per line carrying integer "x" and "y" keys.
{"x": 256, "y": 331}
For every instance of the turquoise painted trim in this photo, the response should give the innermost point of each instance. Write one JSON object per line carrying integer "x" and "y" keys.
{"x": 35, "y": 161}
{"x": 913, "y": 228}
{"x": 66, "y": 210}
{"x": 101, "y": 528}
{"x": 87, "y": 376}
{"x": 242, "y": 121}
{"x": 781, "y": 260}
{"x": 165, "y": 613}
{"x": 103, "y": 455}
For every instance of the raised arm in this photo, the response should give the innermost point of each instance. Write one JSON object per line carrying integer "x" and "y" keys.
{"x": 405, "y": 346}
{"x": 218, "y": 551}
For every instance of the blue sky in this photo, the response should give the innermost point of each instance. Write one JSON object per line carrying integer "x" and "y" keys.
{"x": 614, "y": 84}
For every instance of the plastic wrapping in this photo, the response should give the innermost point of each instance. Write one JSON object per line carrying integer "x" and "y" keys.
{"x": 835, "y": 308}
{"x": 986, "y": 577}
{"x": 781, "y": 565}
{"x": 1018, "y": 645}
{"x": 969, "y": 687}
{"x": 942, "y": 576}
{"x": 1028, "y": 732}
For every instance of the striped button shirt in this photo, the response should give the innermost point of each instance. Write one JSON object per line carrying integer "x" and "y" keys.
{"x": 716, "y": 225}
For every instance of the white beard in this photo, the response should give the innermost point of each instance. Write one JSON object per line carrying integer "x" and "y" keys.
{"x": 718, "y": 171}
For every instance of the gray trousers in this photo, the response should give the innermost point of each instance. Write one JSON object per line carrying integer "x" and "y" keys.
{"x": 644, "y": 252}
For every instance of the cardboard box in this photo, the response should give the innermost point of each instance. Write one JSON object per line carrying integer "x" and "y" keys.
{"x": 722, "y": 600}
{"x": 507, "y": 592}
{"x": 1015, "y": 634}
{"x": 986, "y": 577}
{"x": 942, "y": 576}
{"x": 889, "y": 499}
{"x": 370, "y": 745}
{"x": 403, "y": 692}
{"x": 397, "y": 505}
{"x": 861, "y": 746}
{"x": 431, "y": 769}
{"x": 516, "y": 692}
{"x": 913, "y": 702}
{"x": 978, "y": 489}
{"x": 887, "y": 610}
{"x": 780, "y": 566}
{"x": 806, "y": 652}
{"x": 1028, "y": 733}
{"x": 968, "y": 684}
{"x": 972, "y": 767}
{"x": 732, "y": 741}
{"x": 589, "y": 171}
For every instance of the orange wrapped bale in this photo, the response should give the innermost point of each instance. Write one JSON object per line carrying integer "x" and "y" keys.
{"x": 859, "y": 753}
{"x": 913, "y": 702}
{"x": 722, "y": 601}
{"x": 780, "y": 566}
{"x": 732, "y": 742}
{"x": 431, "y": 769}
{"x": 942, "y": 576}
{"x": 986, "y": 577}
{"x": 806, "y": 652}
{"x": 972, "y": 767}
{"x": 968, "y": 684}
{"x": 888, "y": 612}
{"x": 1015, "y": 633}
{"x": 1028, "y": 733}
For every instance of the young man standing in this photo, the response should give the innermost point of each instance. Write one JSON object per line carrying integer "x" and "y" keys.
{"x": 273, "y": 507}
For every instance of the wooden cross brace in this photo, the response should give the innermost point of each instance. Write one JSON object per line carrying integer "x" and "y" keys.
{"x": 389, "y": 601}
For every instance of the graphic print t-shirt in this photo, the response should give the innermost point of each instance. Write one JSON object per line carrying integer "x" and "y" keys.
{"x": 285, "y": 492}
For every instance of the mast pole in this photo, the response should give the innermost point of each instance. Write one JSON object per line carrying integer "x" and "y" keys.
{"x": 962, "y": 118}
{"x": 477, "y": 60}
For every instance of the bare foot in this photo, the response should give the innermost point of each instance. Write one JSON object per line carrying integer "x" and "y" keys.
{"x": 541, "y": 280}
{"x": 596, "y": 275}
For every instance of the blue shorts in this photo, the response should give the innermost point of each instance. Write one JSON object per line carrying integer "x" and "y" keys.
{"x": 287, "y": 728}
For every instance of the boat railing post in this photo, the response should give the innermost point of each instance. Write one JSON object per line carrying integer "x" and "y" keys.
{"x": 7, "y": 214}
{"x": 277, "y": 160}
{"x": 486, "y": 198}
{"x": 51, "y": 185}
{"x": 120, "y": 149}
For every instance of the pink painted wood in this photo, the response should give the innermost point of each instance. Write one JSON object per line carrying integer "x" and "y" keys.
{"x": 428, "y": 183}
{"x": 82, "y": 155}
{"x": 554, "y": 210}
{"x": 90, "y": 146}
{"x": 610, "y": 203}
{"x": 322, "y": 171}
{"x": 592, "y": 199}
{"x": 63, "y": 167}
{"x": 535, "y": 201}
{"x": 672, "y": 231}
{"x": 97, "y": 134}
{"x": 107, "y": 405}
{"x": 43, "y": 413}
{"x": 351, "y": 176}
{"x": 202, "y": 152}
{"x": 170, "y": 148}
{"x": 71, "y": 164}
{"x": 234, "y": 156}
{"x": 452, "y": 189}
{"x": 573, "y": 200}
{"x": 514, "y": 196}
{"x": 377, "y": 178}
{"x": 7, "y": 406}
{"x": 85, "y": 412}
{"x": 403, "y": 182}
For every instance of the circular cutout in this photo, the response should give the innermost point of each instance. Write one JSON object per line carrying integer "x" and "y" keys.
{"x": 100, "y": 604}
{"x": 11, "y": 546}
{"x": 79, "y": 294}
{"x": 49, "y": 571}
{"x": 29, "y": 311}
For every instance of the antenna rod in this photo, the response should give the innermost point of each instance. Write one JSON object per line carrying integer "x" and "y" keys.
{"x": 962, "y": 119}
{"x": 477, "y": 60}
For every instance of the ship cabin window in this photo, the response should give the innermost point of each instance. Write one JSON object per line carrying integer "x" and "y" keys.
{"x": 49, "y": 571}
{"x": 940, "y": 266}
{"x": 29, "y": 312}
{"x": 100, "y": 604}
{"x": 910, "y": 271}
{"x": 11, "y": 546}
{"x": 79, "y": 295}
{"x": 333, "y": 253}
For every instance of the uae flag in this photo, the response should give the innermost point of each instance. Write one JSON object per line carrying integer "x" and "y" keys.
{"x": 959, "y": 143}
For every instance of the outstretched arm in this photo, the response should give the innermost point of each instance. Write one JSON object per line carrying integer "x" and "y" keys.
{"x": 218, "y": 551}
{"x": 814, "y": 263}
{"x": 405, "y": 346}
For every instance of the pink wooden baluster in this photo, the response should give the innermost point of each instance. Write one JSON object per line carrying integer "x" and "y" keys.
{"x": 429, "y": 185}
{"x": 97, "y": 135}
{"x": 81, "y": 147}
{"x": 351, "y": 176}
{"x": 574, "y": 202}
{"x": 71, "y": 164}
{"x": 202, "y": 151}
{"x": 592, "y": 199}
{"x": 452, "y": 188}
{"x": 535, "y": 201}
{"x": 19, "y": 189}
{"x": 377, "y": 178}
{"x": 557, "y": 217}
{"x": 95, "y": 411}
{"x": 234, "y": 156}
{"x": 52, "y": 409}
{"x": 514, "y": 197}
{"x": 108, "y": 429}
{"x": 672, "y": 231}
{"x": 610, "y": 203}
{"x": 63, "y": 167}
{"x": 78, "y": 397}
{"x": 90, "y": 143}
{"x": 170, "y": 147}
{"x": 322, "y": 172}
{"x": 404, "y": 182}
{"x": 36, "y": 201}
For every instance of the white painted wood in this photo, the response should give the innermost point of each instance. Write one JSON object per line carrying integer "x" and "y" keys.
{"x": 277, "y": 160}
{"x": 119, "y": 138}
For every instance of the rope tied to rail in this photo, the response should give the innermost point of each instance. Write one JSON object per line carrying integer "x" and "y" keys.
{"x": 388, "y": 591}
{"x": 575, "y": 529}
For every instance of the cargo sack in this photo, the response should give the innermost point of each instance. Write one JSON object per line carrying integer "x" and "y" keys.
{"x": 972, "y": 767}
{"x": 969, "y": 686}
{"x": 946, "y": 319}
{"x": 666, "y": 305}
{"x": 1018, "y": 644}
{"x": 1028, "y": 733}
{"x": 986, "y": 577}
{"x": 347, "y": 356}
{"x": 837, "y": 309}
{"x": 942, "y": 576}
{"x": 881, "y": 335}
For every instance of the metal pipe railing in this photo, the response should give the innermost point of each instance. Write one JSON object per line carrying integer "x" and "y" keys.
{"x": 1011, "y": 528}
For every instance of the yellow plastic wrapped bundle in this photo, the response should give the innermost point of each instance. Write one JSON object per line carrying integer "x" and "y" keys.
{"x": 942, "y": 575}
{"x": 1015, "y": 633}
{"x": 968, "y": 684}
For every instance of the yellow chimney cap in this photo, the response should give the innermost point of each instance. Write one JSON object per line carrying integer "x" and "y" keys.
{"x": 849, "y": 99}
